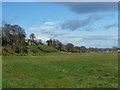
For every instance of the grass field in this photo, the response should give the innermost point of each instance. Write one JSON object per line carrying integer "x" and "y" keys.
{"x": 84, "y": 70}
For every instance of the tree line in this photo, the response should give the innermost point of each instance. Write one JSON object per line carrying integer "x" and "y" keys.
{"x": 15, "y": 36}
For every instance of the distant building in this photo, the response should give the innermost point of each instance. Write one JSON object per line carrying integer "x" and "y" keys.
{"x": 118, "y": 50}
{"x": 28, "y": 41}
{"x": 36, "y": 42}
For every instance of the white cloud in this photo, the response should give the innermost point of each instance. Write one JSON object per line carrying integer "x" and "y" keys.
{"x": 115, "y": 37}
{"x": 54, "y": 31}
{"x": 48, "y": 29}
{"x": 43, "y": 37}
{"x": 46, "y": 32}
{"x": 91, "y": 40}
{"x": 50, "y": 23}
{"x": 43, "y": 28}
{"x": 82, "y": 43}
{"x": 101, "y": 37}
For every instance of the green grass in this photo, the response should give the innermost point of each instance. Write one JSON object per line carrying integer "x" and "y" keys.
{"x": 84, "y": 70}
{"x": 46, "y": 48}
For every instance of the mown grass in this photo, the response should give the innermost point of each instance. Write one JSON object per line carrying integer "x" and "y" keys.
{"x": 84, "y": 70}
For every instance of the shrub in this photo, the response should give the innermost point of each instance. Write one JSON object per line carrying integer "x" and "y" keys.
{"x": 34, "y": 51}
{"x": 14, "y": 50}
{"x": 5, "y": 53}
{"x": 8, "y": 49}
{"x": 17, "y": 49}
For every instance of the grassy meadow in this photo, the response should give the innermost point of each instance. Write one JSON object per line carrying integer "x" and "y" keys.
{"x": 70, "y": 70}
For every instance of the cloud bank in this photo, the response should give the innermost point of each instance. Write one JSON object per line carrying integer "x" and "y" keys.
{"x": 91, "y": 7}
{"x": 111, "y": 26}
{"x": 75, "y": 24}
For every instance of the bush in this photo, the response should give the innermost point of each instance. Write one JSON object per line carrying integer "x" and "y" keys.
{"x": 14, "y": 50}
{"x": 8, "y": 49}
{"x": 5, "y": 53}
{"x": 25, "y": 49}
{"x": 17, "y": 49}
{"x": 34, "y": 51}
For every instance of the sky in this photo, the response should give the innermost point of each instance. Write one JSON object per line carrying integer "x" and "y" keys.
{"x": 90, "y": 24}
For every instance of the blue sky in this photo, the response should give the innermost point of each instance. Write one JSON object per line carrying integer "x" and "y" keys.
{"x": 83, "y": 24}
